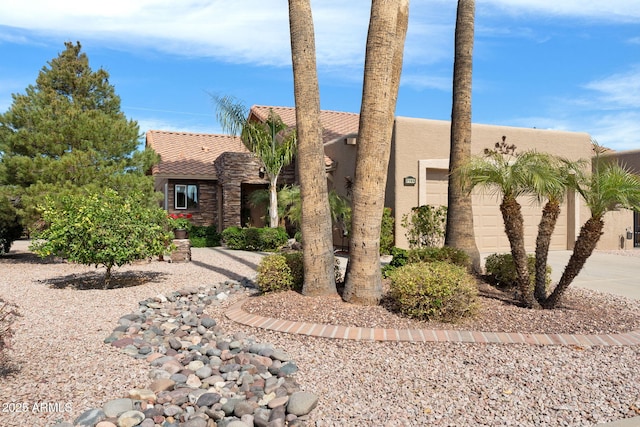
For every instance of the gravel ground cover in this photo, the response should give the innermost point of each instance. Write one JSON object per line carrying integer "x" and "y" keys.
{"x": 63, "y": 367}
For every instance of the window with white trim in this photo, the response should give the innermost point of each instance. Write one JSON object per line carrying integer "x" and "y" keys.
{"x": 186, "y": 196}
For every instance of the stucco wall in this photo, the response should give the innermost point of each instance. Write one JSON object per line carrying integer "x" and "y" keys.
{"x": 418, "y": 140}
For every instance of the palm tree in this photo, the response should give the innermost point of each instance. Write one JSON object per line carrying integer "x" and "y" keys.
{"x": 501, "y": 172}
{"x": 459, "y": 230}
{"x": 383, "y": 64}
{"x": 609, "y": 188}
{"x": 316, "y": 221}
{"x": 550, "y": 178}
{"x": 272, "y": 141}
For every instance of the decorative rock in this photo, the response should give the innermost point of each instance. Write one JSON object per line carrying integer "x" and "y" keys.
{"x": 301, "y": 403}
{"x": 142, "y": 394}
{"x": 148, "y": 422}
{"x": 287, "y": 369}
{"x": 208, "y": 399}
{"x": 208, "y": 322}
{"x": 90, "y": 418}
{"x": 116, "y": 407}
{"x": 195, "y": 365}
{"x": 281, "y": 356}
{"x": 195, "y": 422}
{"x": 106, "y": 424}
{"x": 193, "y": 381}
{"x": 130, "y": 419}
{"x": 162, "y": 384}
{"x": 172, "y": 410}
{"x": 278, "y": 401}
{"x": 204, "y": 372}
{"x": 243, "y": 408}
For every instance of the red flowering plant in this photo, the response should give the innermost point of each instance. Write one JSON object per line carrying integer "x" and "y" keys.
{"x": 180, "y": 221}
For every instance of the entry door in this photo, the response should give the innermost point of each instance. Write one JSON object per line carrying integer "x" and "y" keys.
{"x": 636, "y": 229}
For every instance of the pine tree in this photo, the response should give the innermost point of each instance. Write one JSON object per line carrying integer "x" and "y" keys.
{"x": 67, "y": 132}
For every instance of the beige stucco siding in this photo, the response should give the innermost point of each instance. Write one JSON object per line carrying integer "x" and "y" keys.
{"x": 421, "y": 147}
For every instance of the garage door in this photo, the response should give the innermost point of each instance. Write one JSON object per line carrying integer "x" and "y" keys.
{"x": 487, "y": 219}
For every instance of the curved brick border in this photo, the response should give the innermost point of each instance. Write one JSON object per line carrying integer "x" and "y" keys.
{"x": 237, "y": 314}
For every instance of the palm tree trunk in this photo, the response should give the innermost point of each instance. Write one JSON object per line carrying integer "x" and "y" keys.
{"x": 514, "y": 228}
{"x": 547, "y": 225}
{"x": 459, "y": 229}
{"x": 273, "y": 202}
{"x": 383, "y": 63}
{"x": 585, "y": 244}
{"x": 319, "y": 277}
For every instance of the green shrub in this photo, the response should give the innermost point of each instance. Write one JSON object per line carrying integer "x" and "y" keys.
{"x": 252, "y": 239}
{"x": 434, "y": 291}
{"x": 296, "y": 265}
{"x": 204, "y": 236}
{"x": 274, "y": 274}
{"x": 10, "y": 228}
{"x": 501, "y": 270}
{"x": 399, "y": 258}
{"x": 255, "y": 239}
{"x": 386, "y": 232}
{"x": 234, "y": 238}
{"x": 273, "y": 238}
{"x": 425, "y": 226}
{"x": 445, "y": 253}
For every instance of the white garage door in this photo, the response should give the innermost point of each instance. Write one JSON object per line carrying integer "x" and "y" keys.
{"x": 487, "y": 219}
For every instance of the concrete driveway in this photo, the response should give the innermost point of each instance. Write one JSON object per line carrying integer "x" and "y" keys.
{"x": 607, "y": 272}
{"x": 613, "y": 273}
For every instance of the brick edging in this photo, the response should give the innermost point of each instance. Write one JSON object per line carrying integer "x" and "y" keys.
{"x": 237, "y": 314}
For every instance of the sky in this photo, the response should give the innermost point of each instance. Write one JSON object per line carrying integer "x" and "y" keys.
{"x": 549, "y": 64}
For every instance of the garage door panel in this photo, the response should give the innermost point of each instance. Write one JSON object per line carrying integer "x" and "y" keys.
{"x": 487, "y": 218}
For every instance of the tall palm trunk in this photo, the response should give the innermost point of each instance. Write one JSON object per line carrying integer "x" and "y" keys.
{"x": 514, "y": 228}
{"x": 585, "y": 244}
{"x": 383, "y": 63}
{"x": 459, "y": 229}
{"x": 319, "y": 278}
{"x": 547, "y": 225}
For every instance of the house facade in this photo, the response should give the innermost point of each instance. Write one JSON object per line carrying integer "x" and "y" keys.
{"x": 212, "y": 176}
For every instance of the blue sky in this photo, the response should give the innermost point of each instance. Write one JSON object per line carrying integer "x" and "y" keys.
{"x": 551, "y": 64}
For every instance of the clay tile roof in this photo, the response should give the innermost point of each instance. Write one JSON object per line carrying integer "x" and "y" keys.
{"x": 335, "y": 124}
{"x": 190, "y": 154}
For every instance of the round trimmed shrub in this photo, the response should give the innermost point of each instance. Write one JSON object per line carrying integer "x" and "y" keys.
{"x": 434, "y": 291}
{"x": 502, "y": 271}
{"x": 296, "y": 264}
{"x": 274, "y": 274}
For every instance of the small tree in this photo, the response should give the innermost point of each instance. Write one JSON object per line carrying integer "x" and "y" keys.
{"x": 272, "y": 141}
{"x": 106, "y": 229}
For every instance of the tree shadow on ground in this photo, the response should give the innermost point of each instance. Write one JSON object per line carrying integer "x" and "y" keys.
{"x": 95, "y": 280}
{"x": 27, "y": 258}
{"x": 8, "y": 368}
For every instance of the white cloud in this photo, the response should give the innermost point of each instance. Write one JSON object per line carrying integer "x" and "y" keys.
{"x": 618, "y": 90}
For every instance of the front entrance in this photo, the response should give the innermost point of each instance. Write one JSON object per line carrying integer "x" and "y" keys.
{"x": 636, "y": 229}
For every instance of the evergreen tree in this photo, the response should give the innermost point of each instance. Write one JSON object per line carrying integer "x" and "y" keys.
{"x": 67, "y": 132}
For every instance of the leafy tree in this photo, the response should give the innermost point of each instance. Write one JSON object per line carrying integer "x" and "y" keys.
{"x": 102, "y": 229}
{"x": 272, "y": 141}
{"x": 383, "y": 64}
{"x": 610, "y": 187}
{"x": 10, "y": 228}
{"x": 459, "y": 226}
{"x": 67, "y": 132}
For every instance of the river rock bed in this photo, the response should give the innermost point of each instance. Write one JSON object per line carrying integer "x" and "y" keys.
{"x": 199, "y": 375}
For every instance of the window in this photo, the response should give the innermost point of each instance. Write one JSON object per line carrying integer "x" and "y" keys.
{"x": 186, "y": 196}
